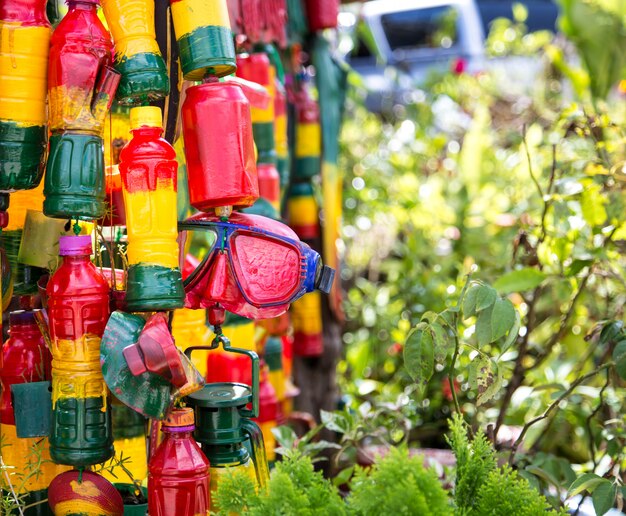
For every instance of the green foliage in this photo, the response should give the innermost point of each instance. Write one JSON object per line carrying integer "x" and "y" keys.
{"x": 294, "y": 489}
{"x": 505, "y": 493}
{"x": 398, "y": 484}
{"x": 601, "y": 43}
{"x": 475, "y": 460}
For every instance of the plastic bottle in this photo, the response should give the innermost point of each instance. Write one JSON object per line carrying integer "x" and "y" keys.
{"x": 25, "y": 358}
{"x": 178, "y": 473}
{"x": 308, "y": 136}
{"x": 137, "y": 54}
{"x": 232, "y": 367}
{"x": 268, "y": 413}
{"x": 148, "y": 167}
{"x": 24, "y": 42}
{"x": 204, "y": 37}
{"x": 303, "y": 211}
{"x": 81, "y": 88}
{"x": 78, "y": 309}
{"x": 219, "y": 146}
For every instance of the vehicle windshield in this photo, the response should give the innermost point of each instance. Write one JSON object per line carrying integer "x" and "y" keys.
{"x": 434, "y": 27}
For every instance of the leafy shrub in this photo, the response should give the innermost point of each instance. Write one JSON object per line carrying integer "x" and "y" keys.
{"x": 505, "y": 493}
{"x": 294, "y": 489}
{"x": 482, "y": 488}
{"x": 398, "y": 484}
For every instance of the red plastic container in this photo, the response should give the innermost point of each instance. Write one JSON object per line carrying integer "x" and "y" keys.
{"x": 228, "y": 367}
{"x": 219, "y": 146}
{"x": 322, "y": 14}
{"x": 269, "y": 184}
{"x": 178, "y": 478}
{"x": 78, "y": 303}
{"x": 25, "y": 359}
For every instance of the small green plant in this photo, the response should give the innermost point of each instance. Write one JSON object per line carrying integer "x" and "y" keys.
{"x": 484, "y": 489}
{"x": 295, "y": 488}
{"x": 398, "y": 484}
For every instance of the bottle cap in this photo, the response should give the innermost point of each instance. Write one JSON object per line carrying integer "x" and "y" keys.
{"x": 180, "y": 418}
{"x": 21, "y": 317}
{"x": 149, "y": 116}
{"x": 70, "y": 245}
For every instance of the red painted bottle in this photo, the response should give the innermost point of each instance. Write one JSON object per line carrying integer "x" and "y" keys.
{"x": 322, "y": 14}
{"x": 81, "y": 88}
{"x": 219, "y": 147}
{"x": 178, "y": 478}
{"x": 25, "y": 359}
{"x": 78, "y": 310}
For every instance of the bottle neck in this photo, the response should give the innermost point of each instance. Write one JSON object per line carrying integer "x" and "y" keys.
{"x": 171, "y": 433}
{"x": 148, "y": 131}
{"x": 83, "y": 5}
{"x": 75, "y": 260}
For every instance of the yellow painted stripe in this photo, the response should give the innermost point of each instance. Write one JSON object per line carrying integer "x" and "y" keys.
{"x": 189, "y": 15}
{"x": 308, "y": 140}
{"x": 269, "y": 439}
{"x": 82, "y": 506}
{"x": 302, "y": 211}
{"x": 20, "y": 454}
{"x": 23, "y": 73}
{"x": 68, "y": 383}
{"x": 151, "y": 220}
{"x": 189, "y": 329}
{"x": 135, "y": 449}
{"x": 70, "y": 109}
{"x": 280, "y": 136}
{"x": 84, "y": 349}
{"x": 306, "y": 314}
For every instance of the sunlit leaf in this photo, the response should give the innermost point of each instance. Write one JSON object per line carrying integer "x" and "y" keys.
{"x": 519, "y": 280}
{"x": 586, "y": 482}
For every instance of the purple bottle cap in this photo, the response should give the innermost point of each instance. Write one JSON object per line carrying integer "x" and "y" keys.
{"x": 75, "y": 245}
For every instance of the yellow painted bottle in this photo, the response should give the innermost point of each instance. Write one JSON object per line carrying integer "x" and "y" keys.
{"x": 24, "y": 45}
{"x": 137, "y": 54}
{"x": 148, "y": 167}
{"x": 189, "y": 328}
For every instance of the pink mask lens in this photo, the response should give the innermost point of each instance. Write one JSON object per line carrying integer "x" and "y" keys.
{"x": 268, "y": 270}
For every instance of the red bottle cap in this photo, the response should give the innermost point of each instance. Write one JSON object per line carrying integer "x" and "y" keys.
{"x": 70, "y": 245}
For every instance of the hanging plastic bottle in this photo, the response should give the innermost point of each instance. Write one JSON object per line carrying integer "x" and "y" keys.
{"x": 178, "y": 478}
{"x": 306, "y": 316}
{"x": 205, "y": 41}
{"x": 24, "y": 43}
{"x": 137, "y": 54}
{"x": 322, "y": 14}
{"x": 219, "y": 147}
{"x": 280, "y": 134}
{"x": 81, "y": 88}
{"x": 189, "y": 327}
{"x": 148, "y": 167}
{"x": 273, "y": 356}
{"x": 268, "y": 413}
{"x": 78, "y": 309}
{"x": 303, "y": 211}
{"x": 308, "y": 136}
{"x": 25, "y": 359}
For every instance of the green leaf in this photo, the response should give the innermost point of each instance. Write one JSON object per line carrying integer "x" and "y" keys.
{"x": 543, "y": 474}
{"x": 502, "y": 318}
{"x": 485, "y": 297}
{"x": 444, "y": 343}
{"x": 519, "y": 281}
{"x": 489, "y": 382}
{"x": 336, "y": 421}
{"x": 429, "y": 317}
{"x": 285, "y": 436}
{"x": 483, "y": 327}
{"x": 469, "y": 301}
{"x": 611, "y": 332}
{"x": 586, "y": 482}
{"x": 485, "y": 378}
{"x": 619, "y": 357}
{"x": 343, "y": 476}
{"x": 513, "y": 333}
{"x": 604, "y": 497}
{"x": 592, "y": 203}
{"x": 419, "y": 358}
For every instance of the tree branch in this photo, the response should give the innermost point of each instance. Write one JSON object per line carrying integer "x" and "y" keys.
{"x": 553, "y": 405}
